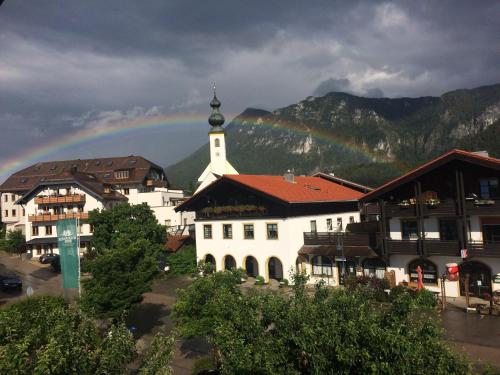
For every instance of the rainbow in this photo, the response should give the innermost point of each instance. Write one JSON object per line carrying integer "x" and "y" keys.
{"x": 121, "y": 127}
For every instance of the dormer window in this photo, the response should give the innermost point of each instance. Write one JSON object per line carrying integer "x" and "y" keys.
{"x": 120, "y": 175}
{"x": 489, "y": 188}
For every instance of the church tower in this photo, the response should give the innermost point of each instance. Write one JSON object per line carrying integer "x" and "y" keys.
{"x": 218, "y": 165}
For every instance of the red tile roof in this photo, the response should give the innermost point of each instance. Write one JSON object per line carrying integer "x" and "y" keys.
{"x": 304, "y": 189}
{"x": 430, "y": 165}
{"x": 175, "y": 242}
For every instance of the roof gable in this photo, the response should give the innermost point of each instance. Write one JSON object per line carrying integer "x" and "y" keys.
{"x": 453, "y": 155}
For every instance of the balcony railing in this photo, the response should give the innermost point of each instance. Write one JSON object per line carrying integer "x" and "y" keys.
{"x": 72, "y": 198}
{"x": 484, "y": 249}
{"x": 396, "y": 210}
{"x": 441, "y": 247}
{"x": 409, "y": 247}
{"x": 55, "y": 217}
{"x": 482, "y": 207}
{"x": 332, "y": 238}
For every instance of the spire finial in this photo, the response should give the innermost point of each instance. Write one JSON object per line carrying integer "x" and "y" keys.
{"x": 216, "y": 119}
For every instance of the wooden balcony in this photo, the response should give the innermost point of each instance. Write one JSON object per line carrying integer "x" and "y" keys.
{"x": 55, "y": 217}
{"x": 395, "y": 210}
{"x": 444, "y": 208}
{"x": 73, "y": 198}
{"x": 484, "y": 249}
{"x": 483, "y": 207}
{"x": 441, "y": 247}
{"x": 409, "y": 247}
{"x": 332, "y": 238}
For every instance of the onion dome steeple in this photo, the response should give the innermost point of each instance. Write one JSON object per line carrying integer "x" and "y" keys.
{"x": 216, "y": 119}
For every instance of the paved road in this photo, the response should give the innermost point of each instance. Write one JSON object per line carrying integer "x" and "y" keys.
{"x": 38, "y": 276}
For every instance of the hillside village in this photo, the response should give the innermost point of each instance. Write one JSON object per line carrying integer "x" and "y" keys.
{"x": 332, "y": 207}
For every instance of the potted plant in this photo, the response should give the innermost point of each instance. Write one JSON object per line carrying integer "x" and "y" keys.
{"x": 405, "y": 203}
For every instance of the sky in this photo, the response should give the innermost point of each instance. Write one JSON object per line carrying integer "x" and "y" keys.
{"x": 67, "y": 66}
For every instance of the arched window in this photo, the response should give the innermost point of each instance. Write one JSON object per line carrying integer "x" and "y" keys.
{"x": 429, "y": 270}
{"x": 322, "y": 265}
{"x": 229, "y": 262}
{"x": 374, "y": 267}
{"x": 217, "y": 142}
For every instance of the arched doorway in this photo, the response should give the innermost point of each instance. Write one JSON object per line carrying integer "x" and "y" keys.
{"x": 229, "y": 262}
{"x": 374, "y": 267}
{"x": 251, "y": 266}
{"x": 275, "y": 268}
{"x": 479, "y": 278}
{"x": 209, "y": 259}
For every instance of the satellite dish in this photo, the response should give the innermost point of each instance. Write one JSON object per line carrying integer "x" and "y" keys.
{"x": 29, "y": 291}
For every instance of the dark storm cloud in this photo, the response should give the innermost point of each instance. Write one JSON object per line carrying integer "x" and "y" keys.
{"x": 61, "y": 60}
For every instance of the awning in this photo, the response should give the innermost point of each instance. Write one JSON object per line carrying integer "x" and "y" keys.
{"x": 349, "y": 251}
{"x": 53, "y": 240}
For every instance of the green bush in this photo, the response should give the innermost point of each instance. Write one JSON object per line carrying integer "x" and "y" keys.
{"x": 183, "y": 262}
{"x": 259, "y": 280}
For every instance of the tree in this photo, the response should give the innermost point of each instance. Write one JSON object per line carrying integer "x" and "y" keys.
{"x": 119, "y": 278}
{"x": 122, "y": 224}
{"x": 183, "y": 262}
{"x": 159, "y": 356}
{"x": 320, "y": 332}
{"x": 122, "y": 263}
{"x": 15, "y": 242}
{"x": 44, "y": 335}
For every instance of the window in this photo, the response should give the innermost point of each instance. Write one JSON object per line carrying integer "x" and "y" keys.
{"x": 448, "y": 229}
{"x": 48, "y": 230}
{"x": 314, "y": 229}
{"x": 24, "y": 212}
{"x": 339, "y": 223}
{"x": 217, "y": 142}
{"x": 80, "y": 208}
{"x": 120, "y": 175}
{"x": 322, "y": 265}
{"x": 351, "y": 219}
{"x": 168, "y": 222}
{"x": 429, "y": 270}
{"x": 207, "y": 231}
{"x": 126, "y": 191}
{"x": 272, "y": 231}
{"x": 6, "y": 213}
{"x": 248, "y": 231}
{"x": 409, "y": 229}
{"x": 374, "y": 267}
{"x": 185, "y": 220}
{"x": 34, "y": 230}
{"x": 329, "y": 225}
{"x": 227, "y": 231}
{"x": 491, "y": 233}
{"x": 14, "y": 212}
{"x": 489, "y": 188}
{"x": 13, "y": 197}
{"x": 6, "y": 198}
{"x": 91, "y": 228}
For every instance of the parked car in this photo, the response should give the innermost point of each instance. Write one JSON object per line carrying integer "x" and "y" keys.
{"x": 10, "y": 282}
{"x": 47, "y": 258}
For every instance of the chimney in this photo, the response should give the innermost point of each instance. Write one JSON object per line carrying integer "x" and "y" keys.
{"x": 289, "y": 176}
{"x": 482, "y": 153}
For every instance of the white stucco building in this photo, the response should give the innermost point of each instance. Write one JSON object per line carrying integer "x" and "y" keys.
{"x": 41, "y": 194}
{"x": 258, "y": 222}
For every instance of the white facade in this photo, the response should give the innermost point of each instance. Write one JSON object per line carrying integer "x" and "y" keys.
{"x": 284, "y": 248}
{"x": 40, "y": 223}
{"x": 12, "y": 214}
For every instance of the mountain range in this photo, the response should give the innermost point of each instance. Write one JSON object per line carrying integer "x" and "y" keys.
{"x": 367, "y": 140}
